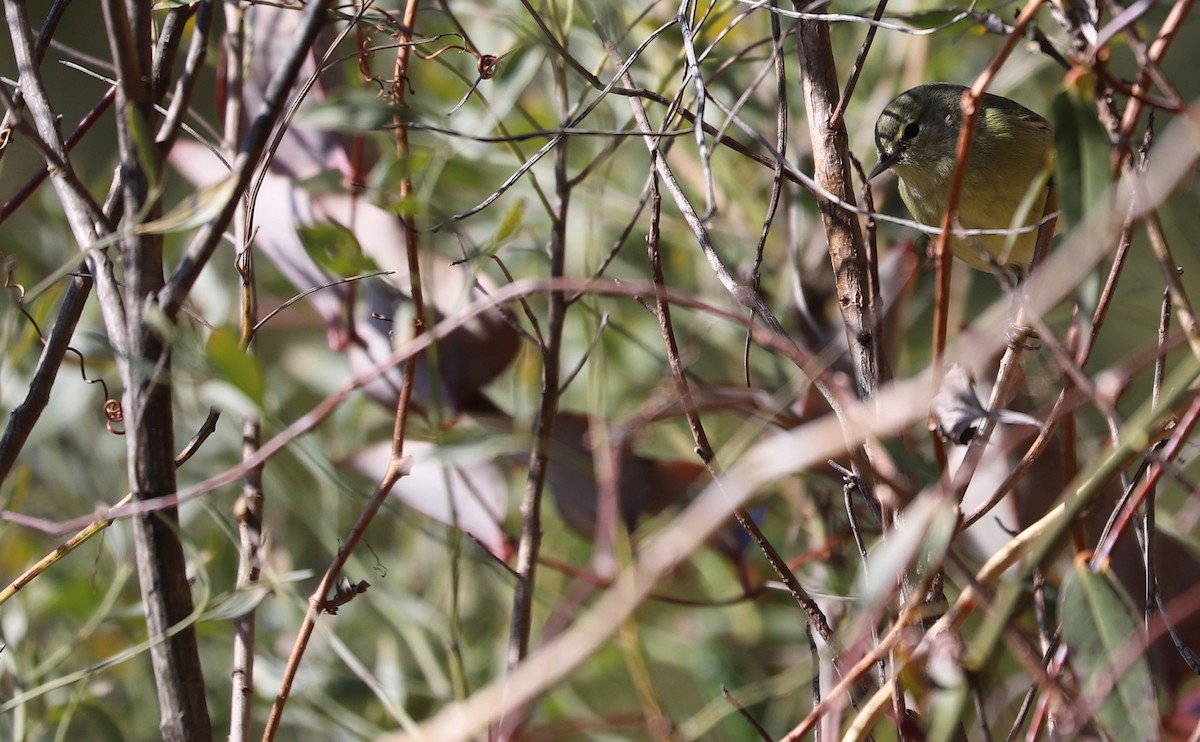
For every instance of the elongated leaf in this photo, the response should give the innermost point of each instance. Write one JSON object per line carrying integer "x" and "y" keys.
{"x": 235, "y": 366}
{"x": 1084, "y": 170}
{"x": 192, "y": 211}
{"x": 513, "y": 220}
{"x": 335, "y": 248}
{"x": 920, "y": 539}
{"x": 1103, "y": 632}
{"x": 354, "y": 111}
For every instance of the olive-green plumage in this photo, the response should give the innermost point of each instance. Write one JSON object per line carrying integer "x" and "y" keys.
{"x": 1007, "y": 176}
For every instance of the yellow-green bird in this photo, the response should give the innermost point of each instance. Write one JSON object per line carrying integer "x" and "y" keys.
{"x": 1007, "y": 178}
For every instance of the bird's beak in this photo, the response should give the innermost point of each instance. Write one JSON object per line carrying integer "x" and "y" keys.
{"x": 885, "y": 162}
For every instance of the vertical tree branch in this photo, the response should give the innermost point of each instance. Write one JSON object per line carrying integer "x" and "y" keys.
{"x": 150, "y": 446}
{"x": 831, "y": 160}
{"x": 251, "y": 505}
{"x": 531, "y": 501}
{"x": 397, "y": 467}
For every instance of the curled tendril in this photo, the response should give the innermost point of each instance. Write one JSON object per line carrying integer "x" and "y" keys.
{"x": 439, "y": 52}
{"x": 113, "y": 414}
{"x": 9, "y": 265}
{"x": 112, "y": 407}
{"x": 489, "y": 65}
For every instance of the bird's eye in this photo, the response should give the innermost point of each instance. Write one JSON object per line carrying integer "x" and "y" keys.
{"x": 912, "y": 130}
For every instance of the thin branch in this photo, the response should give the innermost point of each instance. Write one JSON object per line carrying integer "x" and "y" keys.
{"x": 398, "y": 464}
{"x": 171, "y": 298}
{"x": 529, "y": 544}
{"x": 37, "y": 395}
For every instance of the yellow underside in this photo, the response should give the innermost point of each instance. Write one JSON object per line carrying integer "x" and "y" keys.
{"x": 985, "y": 205}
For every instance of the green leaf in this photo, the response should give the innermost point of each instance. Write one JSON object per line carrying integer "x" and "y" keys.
{"x": 1106, "y": 643}
{"x": 608, "y": 16}
{"x": 355, "y": 111}
{"x": 233, "y": 364}
{"x": 194, "y": 210}
{"x": 1084, "y": 168}
{"x": 512, "y": 221}
{"x": 236, "y": 604}
{"x": 920, "y": 539}
{"x": 336, "y": 249}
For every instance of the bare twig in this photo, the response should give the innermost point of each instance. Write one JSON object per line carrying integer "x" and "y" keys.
{"x": 161, "y": 565}
{"x": 529, "y": 544}
{"x": 25, "y": 416}
{"x": 251, "y": 506}
{"x": 171, "y": 297}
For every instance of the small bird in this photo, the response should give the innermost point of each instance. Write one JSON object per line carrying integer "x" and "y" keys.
{"x": 1008, "y": 173}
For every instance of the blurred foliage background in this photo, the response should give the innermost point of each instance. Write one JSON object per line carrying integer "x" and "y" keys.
{"x": 433, "y": 627}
